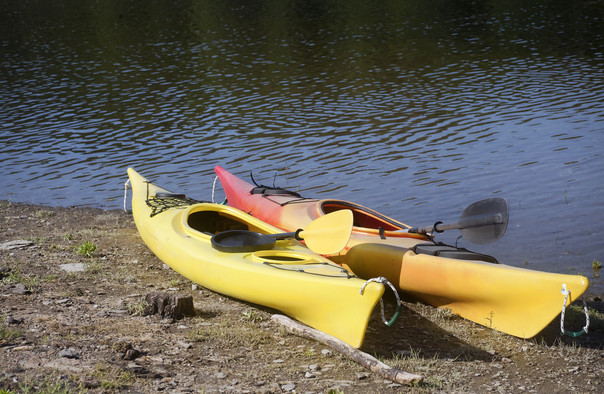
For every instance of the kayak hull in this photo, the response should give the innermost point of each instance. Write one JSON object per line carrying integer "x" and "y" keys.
{"x": 509, "y": 299}
{"x": 289, "y": 277}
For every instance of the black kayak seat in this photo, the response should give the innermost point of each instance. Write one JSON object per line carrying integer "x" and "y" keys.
{"x": 274, "y": 191}
{"x": 451, "y": 252}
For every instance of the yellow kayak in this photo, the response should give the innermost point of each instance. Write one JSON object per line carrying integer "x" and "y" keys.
{"x": 193, "y": 239}
{"x": 509, "y": 299}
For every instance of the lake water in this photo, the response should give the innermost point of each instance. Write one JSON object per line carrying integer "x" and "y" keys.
{"x": 413, "y": 108}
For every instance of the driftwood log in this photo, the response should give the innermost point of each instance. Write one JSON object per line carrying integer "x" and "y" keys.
{"x": 362, "y": 358}
{"x": 169, "y": 306}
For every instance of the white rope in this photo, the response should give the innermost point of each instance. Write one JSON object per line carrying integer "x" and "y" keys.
{"x": 383, "y": 280}
{"x": 214, "y": 189}
{"x": 562, "y": 330}
{"x": 126, "y": 194}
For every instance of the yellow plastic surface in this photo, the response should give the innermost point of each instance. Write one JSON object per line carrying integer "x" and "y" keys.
{"x": 513, "y": 300}
{"x": 330, "y": 302}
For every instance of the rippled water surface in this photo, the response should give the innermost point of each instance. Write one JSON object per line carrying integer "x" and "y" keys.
{"x": 413, "y": 108}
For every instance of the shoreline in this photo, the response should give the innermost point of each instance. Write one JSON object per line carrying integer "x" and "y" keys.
{"x": 83, "y": 329}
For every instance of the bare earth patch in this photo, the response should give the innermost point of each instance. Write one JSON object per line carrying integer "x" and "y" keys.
{"x": 72, "y": 301}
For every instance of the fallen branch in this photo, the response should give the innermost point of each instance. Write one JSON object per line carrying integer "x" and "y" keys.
{"x": 342, "y": 347}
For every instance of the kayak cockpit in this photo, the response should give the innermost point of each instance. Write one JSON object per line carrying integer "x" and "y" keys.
{"x": 213, "y": 222}
{"x": 363, "y": 216}
{"x": 201, "y": 219}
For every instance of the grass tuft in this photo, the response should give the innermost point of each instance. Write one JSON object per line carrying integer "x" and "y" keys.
{"x": 86, "y": 249}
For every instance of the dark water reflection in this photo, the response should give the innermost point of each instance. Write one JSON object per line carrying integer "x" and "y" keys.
{"x": 413, "y": 108}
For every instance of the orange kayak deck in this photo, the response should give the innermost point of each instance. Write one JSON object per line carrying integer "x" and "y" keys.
{"x": 509, "y": 299}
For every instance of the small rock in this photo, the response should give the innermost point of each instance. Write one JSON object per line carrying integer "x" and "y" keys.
{"x": 118, "y": 312}
{"x": 4, "y": 271}
{"x": 73, "y": 267}
{"x": 326, "y": 352}
{"x": 12, "y": 320}
{"x": 137, "y": 369}
{"x": 18, "y": 244}
{"x": 184, "y": 345}
{"x": 131, "y": 354}
{"x": 309, "y": 375}
{"x": 221, "y": 375}
{"x": 288, "y": 387}
{"x": 363, "y": 375}
{"x": 20, "y": 289}
{"x": 69, "y": 353}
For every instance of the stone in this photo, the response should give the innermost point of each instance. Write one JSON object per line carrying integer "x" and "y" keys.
{"x": 18, "y": 244}
{"x": 326, "y": 352}
{"x": 73, "y": 267}
{"x": 20, "y": 289}
{"x": 131, "y": 354}
{"x": 69, "y": 353}
{"x": 12, "y": 320}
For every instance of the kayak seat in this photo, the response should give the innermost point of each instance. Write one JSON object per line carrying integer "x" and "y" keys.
{"x": 211, "y": 222}
{"x": 447, "y": 251}
{"x": 362, "y": 217}
{"x": 274, "y": 191}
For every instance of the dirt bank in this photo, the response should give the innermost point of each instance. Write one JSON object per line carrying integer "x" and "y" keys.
{"x": 71, "y": 298}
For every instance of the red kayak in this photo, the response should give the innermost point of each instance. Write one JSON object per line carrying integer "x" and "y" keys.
{"x": 513, "y": 300}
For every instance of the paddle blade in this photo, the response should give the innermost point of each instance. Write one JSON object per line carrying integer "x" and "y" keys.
{"x": 328, "y": 234}
{"x": 497, "y": 209}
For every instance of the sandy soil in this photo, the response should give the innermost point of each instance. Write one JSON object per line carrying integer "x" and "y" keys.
{"x": 71, "y": 321}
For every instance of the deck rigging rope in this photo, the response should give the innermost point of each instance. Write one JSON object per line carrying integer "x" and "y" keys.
{"x": 573, "y": 334}
{"x": 225, "y": 201}
{"x": 126, "y": 185}
{"x": 383, "y": 280}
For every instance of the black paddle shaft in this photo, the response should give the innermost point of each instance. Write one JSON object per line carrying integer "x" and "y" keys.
{"x": 482, "y": 222}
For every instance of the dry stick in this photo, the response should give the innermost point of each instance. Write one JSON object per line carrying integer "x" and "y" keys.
{"x": 367, "y": 361}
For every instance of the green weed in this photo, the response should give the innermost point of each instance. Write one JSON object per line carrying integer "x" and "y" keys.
{"x": 174, "y": 282}
{"x": 43, "y": 213}
{"x": 252, "y": 316}
{"x": 596, "y": 266}
{"x": 92, "y": 268}
{"x": 136, "y": 308}
{"x": 17, "y": 277}
{"x": 8, "y": 333}
{"x": 86, "y": 249}
{"x": 112, "y": 378}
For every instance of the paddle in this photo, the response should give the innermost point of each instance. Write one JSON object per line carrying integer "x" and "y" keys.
{"x": 480, "y": 223}
{"x": 328, "y": 234}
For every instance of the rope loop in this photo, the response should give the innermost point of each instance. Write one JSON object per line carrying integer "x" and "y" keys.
{"x": 126, "y": 185}
{"x": 573, "y": 334}
{"x": 383, "y": 280}
{"x": 214, "y": 190}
